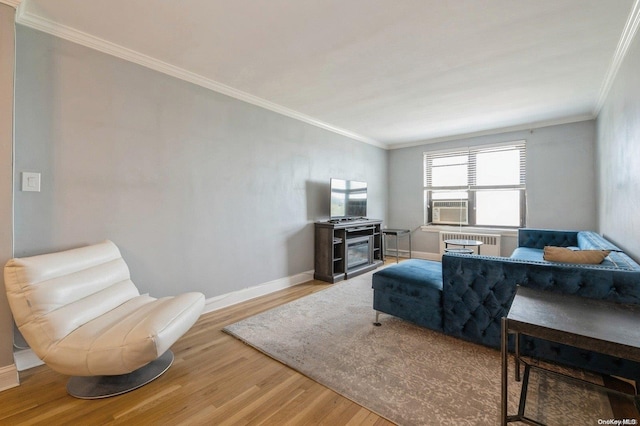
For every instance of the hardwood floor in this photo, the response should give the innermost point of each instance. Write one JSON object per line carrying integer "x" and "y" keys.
{"x": 215, "y": 379}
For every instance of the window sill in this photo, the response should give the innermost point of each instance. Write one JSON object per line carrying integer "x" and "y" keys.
{"x": 510, "y": 232}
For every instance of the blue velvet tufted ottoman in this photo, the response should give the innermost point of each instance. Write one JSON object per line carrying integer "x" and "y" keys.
{"x": 411, "y": 290}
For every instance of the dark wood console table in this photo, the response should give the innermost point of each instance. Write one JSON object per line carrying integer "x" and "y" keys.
{"x": 346, "y": 248}
{"x": 596, "y": 325}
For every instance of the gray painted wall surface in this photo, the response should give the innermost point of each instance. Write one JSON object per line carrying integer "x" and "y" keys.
{"x": 618, "y": 150}
{"x": 561, "y": 181}
{"x": 200, "y": 191}
{"x": 7, "y": 36}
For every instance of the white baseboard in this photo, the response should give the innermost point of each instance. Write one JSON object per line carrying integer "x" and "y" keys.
{"x": 9, "y": 377}
{"x": 228, "y": 299}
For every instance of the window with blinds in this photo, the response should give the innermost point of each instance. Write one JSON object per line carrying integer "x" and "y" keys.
{"x": 488, "y": 181}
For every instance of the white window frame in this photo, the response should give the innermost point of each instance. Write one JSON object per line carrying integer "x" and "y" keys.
{"x": 471, "y": 187}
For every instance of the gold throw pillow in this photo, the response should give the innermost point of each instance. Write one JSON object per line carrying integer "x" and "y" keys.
{"x": 565, "y": 255}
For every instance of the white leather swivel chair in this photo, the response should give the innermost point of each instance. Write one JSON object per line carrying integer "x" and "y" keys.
{"x": 80, "y": 313}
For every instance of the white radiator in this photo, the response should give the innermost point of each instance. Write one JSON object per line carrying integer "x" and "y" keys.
{"x": 490, "y": 242}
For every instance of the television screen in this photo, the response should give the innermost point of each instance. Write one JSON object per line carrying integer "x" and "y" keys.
{"x": 348, "y": 199}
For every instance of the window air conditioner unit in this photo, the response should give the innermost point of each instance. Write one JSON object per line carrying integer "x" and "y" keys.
{"x": 450, "y": 212}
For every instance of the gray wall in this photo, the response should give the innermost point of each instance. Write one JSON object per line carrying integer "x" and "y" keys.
{"x": 619, "y": 157}
{"x": 561, "y": 182}
{"x": 7, "y": 36}
{"x": 200, "y": 191}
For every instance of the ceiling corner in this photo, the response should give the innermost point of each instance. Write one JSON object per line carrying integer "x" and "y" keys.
{"x": 626, "y": 38}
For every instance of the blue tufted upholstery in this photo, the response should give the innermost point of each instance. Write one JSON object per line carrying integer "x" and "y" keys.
{"x": 538, "y": 238}
{"x": 475, "y": 292}
{"x": 532, "y": 242}
{"x": 588, "y": 240}
{"x": 411, "y": 290}
{"x": 478, "y": 290}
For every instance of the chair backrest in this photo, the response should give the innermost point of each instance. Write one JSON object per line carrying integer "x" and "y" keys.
{"x": 51, "y": 295}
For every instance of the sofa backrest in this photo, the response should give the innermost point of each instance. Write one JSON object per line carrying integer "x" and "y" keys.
{"x": 51, "y": 295}
{"x": 538, "y": 238}
{"x": 589, "y": 240}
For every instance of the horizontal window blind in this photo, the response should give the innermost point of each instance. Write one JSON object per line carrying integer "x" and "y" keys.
{"x": 453, "y": 164}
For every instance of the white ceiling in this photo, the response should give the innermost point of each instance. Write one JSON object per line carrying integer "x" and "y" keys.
{"x": 388, "y": 72}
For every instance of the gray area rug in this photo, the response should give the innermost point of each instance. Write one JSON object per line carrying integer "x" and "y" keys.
{"x": 405, "y": 373}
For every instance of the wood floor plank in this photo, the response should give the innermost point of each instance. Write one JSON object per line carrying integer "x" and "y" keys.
{"x": 363, "y": 417}
{"x": 314, "y": 409}
{"x": 215, "y": 379}
{"x": 264, "y": 413}
{"x": 246, "y": 404}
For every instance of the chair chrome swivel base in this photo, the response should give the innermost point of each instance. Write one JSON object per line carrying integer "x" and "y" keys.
{"x": 96, "y": 387}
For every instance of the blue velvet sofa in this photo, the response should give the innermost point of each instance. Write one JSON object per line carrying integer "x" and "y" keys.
{"x": 467, "y": 295}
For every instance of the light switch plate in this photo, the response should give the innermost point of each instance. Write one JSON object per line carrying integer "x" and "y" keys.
{"x": 31, "y": 181}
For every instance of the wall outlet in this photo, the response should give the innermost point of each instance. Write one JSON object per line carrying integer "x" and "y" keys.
{"x": 31, "y": 181}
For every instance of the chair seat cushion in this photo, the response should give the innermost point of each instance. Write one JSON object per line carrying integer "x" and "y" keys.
{"x": 126, "y": 338}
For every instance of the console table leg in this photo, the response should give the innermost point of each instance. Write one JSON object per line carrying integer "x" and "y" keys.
{"x": 517, "y": 348}
{"x": 397, "y": 250}
{"x": 505, "y": 371}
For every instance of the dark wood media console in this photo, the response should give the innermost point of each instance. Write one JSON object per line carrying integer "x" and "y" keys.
{"x": 344, "y": 249}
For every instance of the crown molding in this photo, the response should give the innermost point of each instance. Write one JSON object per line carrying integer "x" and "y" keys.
{"x": 516, "y": 128}
{"x": 25, "y": 18}
{"x": 12, "y": 3}
{"x": 33, "y": 21}
{"x": 628, "y": 33}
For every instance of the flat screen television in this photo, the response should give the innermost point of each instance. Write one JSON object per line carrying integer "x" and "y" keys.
{"x": 348, "y": 199}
